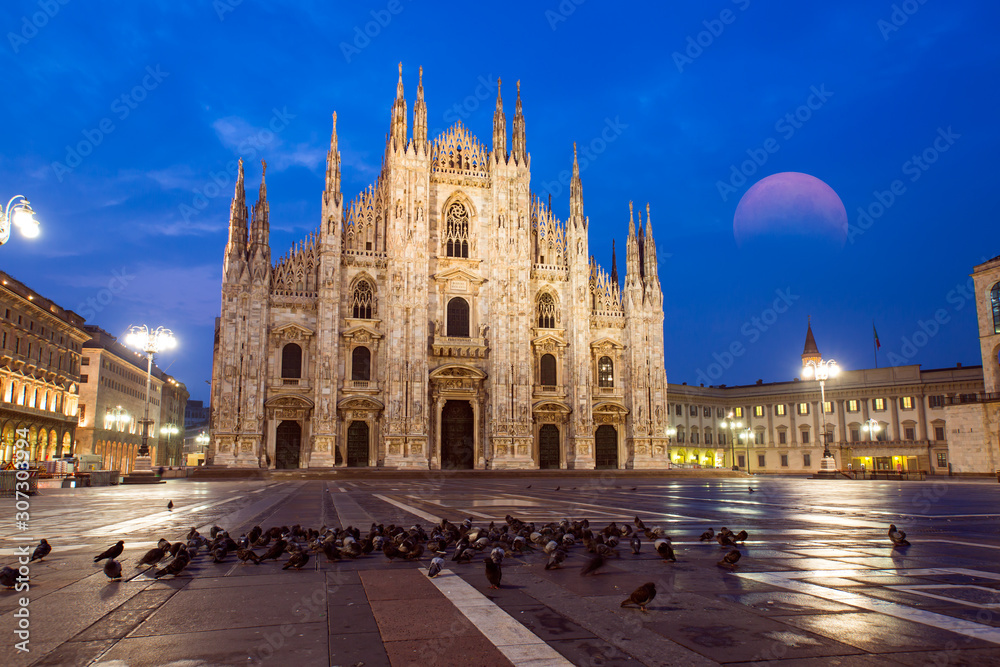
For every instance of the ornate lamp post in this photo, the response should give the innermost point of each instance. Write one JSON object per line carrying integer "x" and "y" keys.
{"x": 149, "y": 342}
{"x": 169, "y": 430}
{"x": 671, "y": 432}
{"x": 19, "y": 213}
{"x": 203, "y": 441}
{"x": 733, "y": 426}
{"x": 823, "y": 370}
{"x": 871, "y": 427}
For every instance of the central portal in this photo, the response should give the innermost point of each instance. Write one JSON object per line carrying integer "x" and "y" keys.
{"x": 457, "y": 436}
{"x": 357, "y": 444}
{"x": 288, "y": 438}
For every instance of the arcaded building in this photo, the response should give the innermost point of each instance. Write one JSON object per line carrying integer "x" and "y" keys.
{"x": 443, "y": 318}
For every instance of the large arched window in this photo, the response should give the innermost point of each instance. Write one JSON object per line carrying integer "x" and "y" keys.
{"x": 458, "y": 317}
{"x": 363, "y": 301}
{"x": 456, "y": 233}
{"x": 361, "y": 364}
{"x": 605, "y": 372}
{"x": 546, "y": 311}
{"x": 995, "y": 300}
{"x": 547, "y": 369}
{"x": 291, "y": 361}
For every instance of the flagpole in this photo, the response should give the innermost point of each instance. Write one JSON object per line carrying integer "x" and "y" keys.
{"x": 875, "y": 343}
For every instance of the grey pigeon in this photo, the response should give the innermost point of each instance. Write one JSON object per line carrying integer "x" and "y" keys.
{"x": 152, "y": 557}
{"x": 8, "y": 577}
{"x": 175, "y": 566}
{"x": 437, "y": 564}
{"x": 170, "y": 506}
{"x": 897, "y": 537}
{"x": 641, "y": 596}
{"x": 112, "y": 552}
{"x": 41, "y": 551}
{"x": 275, "y": 550}
{"x": 741, "y": 536}
{"x": 297, "y": 560}
{"x": 730, "y": 559}
{"x": 493, "y": 573}
{"x": 497, "y": 555}
{"x": 555, "y": 559}
{"x": 707, "y": 536}
{"x": 665, "y": 550}
{"x": 219, "y": 554}
{"x": 113, "y": 569}
{"x": 636, "y": 544}
{"x": 593, "y": 565}
{"x": 163, "y": 544}
{"x": 247, "y": 554}
{"x": 331, "y": 551}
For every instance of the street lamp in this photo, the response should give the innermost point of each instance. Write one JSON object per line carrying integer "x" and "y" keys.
{"x": 732, "y": 426}
{"x": 116, "y": 419}
{"x": 671, "y": 432}
{"x": 871, "y": 427}
{"x": 149, "y": 342}
{"x": 203, "y": 441}
{"x": 169, "y": 430}
{"x": 822, "y": 371}
{"x": 747, "y": 437}
{"x": 18, "y": 212}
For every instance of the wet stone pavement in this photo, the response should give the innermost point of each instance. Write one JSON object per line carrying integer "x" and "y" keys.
{"x": 817, "y": 582}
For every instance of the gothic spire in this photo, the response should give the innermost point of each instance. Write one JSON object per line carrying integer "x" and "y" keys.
{"x": 632, "y": 264}
{"x": 499, "y": 130}
{"x": 519, "y": 149}
{"x": 259, "y": 226}
{"x": 333, "y": 167}
{"x": 614, "y": 263}
{"x": 576, "y": 192}
{"x": 236, "y": 248}
{"x": 420, "y": 117}
{"x": 397, "y": 133}
{"x": 650, "y": 268}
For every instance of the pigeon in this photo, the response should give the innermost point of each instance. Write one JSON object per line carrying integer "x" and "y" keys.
{"x": 112, "y": 552}
{"x": 707, "y": 536}
{"x": 725, "y": 539}
{"x": 741, "y": 536}
{"x": 8, "y": 576}
{"x": 897, "y": 537}
{"x": 528, "y": 487}
{"x": 437, "y": 563}
{"x": 219, "y": 554}
{"x": 641, "y": 596}
{"x": 557, "y": 488}
{"x": 730, "y": 559}
{"x": 497, "y": 555}
{"x": 275, "y": 550}
{"x": 666, "y": 551}
{"x": 297, "y": 560}
{"x": 163, "y": 544}
{"x": 175, "y": 566}
{"x": 750, "y": 489}
{"x": 248, "y": 554}
{"x": 152, "y": 557}
{"x": 113, "y": 569}
{"x": 331, "y": 551}
{"x": 639, "y": 524}
{"x": 493, "y": 573}
{"x": 170, "y": 506}
{"x": 636, "y": 544}
{"x": 555, "y": 559}
{"x": 593, "y": 565}
{"x": 41, "y": 551}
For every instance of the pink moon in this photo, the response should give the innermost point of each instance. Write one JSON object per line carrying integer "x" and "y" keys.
{"x": 790, "y": 205}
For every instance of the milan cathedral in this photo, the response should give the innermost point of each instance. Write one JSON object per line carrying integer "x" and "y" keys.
{"x": 443, "y": 319}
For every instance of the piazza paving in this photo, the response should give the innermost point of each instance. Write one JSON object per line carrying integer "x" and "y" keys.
{"x": 818, "y": 581}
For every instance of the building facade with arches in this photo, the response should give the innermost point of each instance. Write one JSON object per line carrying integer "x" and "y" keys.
{"x": 444, "y": 318}
{"x": 40, "y": 351}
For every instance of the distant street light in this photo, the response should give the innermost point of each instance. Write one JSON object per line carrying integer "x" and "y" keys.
{"x": 671, "y": 432}
{"x": 732, "y": 426}
{"x": 21, "y": 215}
{"x": 871, "y": 427}
{"x": 149, "y": 342}
{"x": 169, "y": 430}
{"x": 747, "y": 437}
{"x": 116, "y": 419}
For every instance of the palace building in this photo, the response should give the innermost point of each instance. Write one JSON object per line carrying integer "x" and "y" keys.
{"x": 444, "y": 318}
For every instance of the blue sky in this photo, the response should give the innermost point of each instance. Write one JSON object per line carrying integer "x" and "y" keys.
{"x": 163, "y": 97}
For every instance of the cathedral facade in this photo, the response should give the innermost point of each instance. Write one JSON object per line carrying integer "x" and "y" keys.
{"x": 443, "y": 319}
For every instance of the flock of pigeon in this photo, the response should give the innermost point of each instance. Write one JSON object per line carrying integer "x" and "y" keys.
{"x": 465, "y": 542}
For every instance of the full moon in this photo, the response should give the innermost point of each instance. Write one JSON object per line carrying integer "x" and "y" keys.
{"x": 790, "y": 206}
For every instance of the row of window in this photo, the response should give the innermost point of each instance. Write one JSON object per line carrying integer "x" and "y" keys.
{"x": 42, "y": 331}
{"x": 781, "y": 409}
{"x": 41, "y": 399}
{"x": 758, "y": 437}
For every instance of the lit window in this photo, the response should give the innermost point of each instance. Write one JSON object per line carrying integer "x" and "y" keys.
{"x": 852, "y": 405}
{"x": 906, "y": 402}
{"x": 878, "y": 403}
{"x": 803, "y": 408}
{"x": 737, "y": 412}
{"x": 942, "y": 460}
{"x": 828, "y": 407}
{"x": 758, "y": 411}
{"x": 606, "y": 373}
{"x": 995, "y": 301}
{"x": 779, "y": 410}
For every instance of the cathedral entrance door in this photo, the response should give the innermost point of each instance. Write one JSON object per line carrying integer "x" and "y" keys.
{"x": 606, "y": 447}
{"x": 288, "y": 438}
{"x": 457, "y": 436}
{"x": 548, "y": 446}
{"x": 357, "y": 444}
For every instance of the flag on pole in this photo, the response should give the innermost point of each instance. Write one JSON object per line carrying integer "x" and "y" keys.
{"x": 875, "y": 331}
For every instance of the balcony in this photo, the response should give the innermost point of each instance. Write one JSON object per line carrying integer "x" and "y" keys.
{"x": 963, "y": 399}
{"x": 457, "y": 346}
{"x": 361, "y": 386}
{"x": 289, "y": 383}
